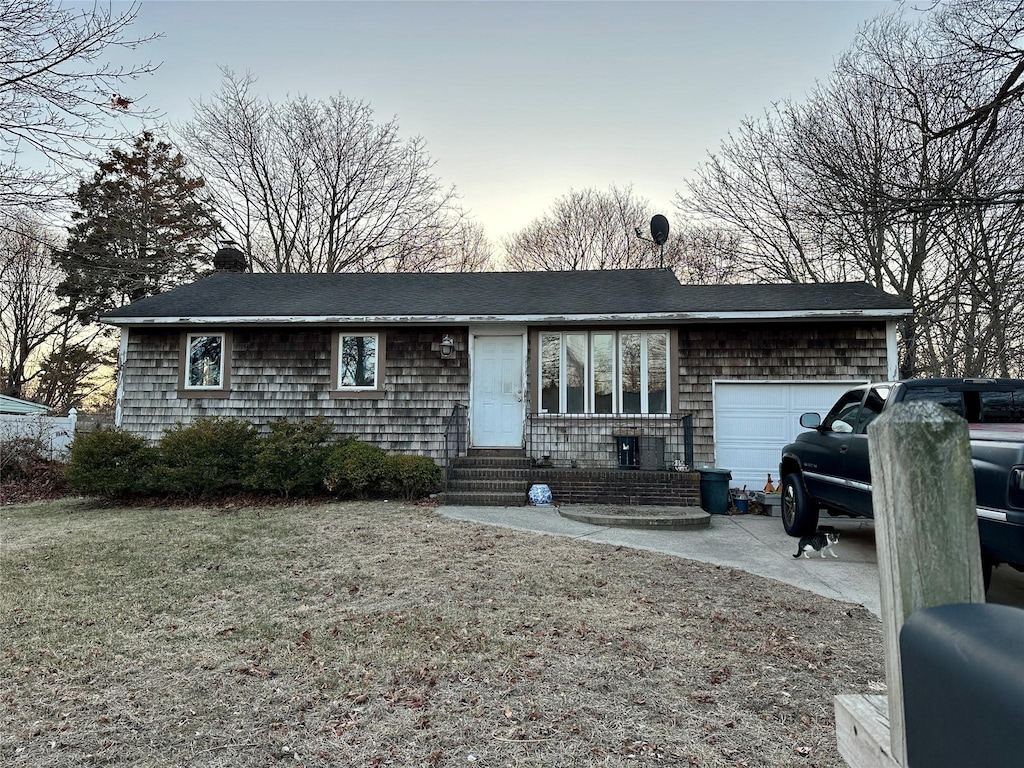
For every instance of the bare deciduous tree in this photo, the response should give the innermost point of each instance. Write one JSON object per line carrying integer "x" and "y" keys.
{"x": 592, "y": 229}
{"x": 585, "y": 229}
{"x": 856, "y": 182}
{"x": 319, "y": 186}
{"x": 44, "y": 354}
{"x": 27, "y": 281}
{"x": 59, "y": 97}
{"x": 705, "y": 254}
{"x": 978, "y": 48}
{"x": 464, "y": 249}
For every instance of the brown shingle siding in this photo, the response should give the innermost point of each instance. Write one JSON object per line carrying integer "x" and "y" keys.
{"x": 771, "y": 352}
{"x": 281, "y": 373}
{"x": 285, "y": 373}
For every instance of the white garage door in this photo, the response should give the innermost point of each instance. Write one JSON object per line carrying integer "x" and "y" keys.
{"x": 754, "y": 420}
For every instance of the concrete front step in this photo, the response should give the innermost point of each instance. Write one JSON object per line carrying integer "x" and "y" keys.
{"x": 665, "y": 518}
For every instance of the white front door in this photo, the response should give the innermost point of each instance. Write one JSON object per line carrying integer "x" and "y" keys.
{"x": 497, "y": 395}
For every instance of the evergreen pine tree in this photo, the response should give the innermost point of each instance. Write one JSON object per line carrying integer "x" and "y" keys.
{"x": 140, "y": 226}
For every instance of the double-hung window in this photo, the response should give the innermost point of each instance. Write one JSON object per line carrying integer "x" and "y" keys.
{"x": 604, "y": 372}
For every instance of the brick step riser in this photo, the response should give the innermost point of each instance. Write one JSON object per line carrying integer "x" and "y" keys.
{"x": 485, "y": 486}
{"x": 492, "y": 461}
{"x": 489, "y": 473}
{"x": 484, "y": 499}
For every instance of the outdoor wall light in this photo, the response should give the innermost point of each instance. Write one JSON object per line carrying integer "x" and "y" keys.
{"x": 447, "y": 346}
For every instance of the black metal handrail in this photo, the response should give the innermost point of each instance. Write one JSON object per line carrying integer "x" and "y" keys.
{"x": 455, "y": 438}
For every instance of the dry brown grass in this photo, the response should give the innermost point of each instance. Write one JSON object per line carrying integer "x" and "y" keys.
{"x": 371, "y": 634}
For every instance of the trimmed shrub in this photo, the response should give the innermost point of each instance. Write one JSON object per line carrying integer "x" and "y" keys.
{"x": 210, "y": 456}
{"x": 413, "y": 477}
{"x": 290, "y": 459}
{"x": 111, "y": 463}
{"x": 355, "y": 468}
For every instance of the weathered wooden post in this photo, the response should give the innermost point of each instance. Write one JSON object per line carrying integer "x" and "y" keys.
{"x": 926, "y": 532}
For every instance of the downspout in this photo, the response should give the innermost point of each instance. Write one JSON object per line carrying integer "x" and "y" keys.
{"x": 122, "y": 358}
{"x": 892, "y": 353}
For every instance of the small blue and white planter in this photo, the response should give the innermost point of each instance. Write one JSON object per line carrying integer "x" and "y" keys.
{"x": 540, "y": 495}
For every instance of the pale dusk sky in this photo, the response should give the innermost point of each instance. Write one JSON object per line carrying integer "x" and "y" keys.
{"x": 519, "y": 101}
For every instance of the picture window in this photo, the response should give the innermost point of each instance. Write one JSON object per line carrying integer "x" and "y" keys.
{"x": 357, "y": 365}
{"x": 607, "y": 372}
{"x": 358, "y": 362}
{"x": 204, "y": 364}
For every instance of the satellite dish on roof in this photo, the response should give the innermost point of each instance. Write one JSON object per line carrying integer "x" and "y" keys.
{"x": 659, "y": 229}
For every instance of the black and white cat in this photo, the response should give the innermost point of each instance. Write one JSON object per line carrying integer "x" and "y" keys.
{"x": 819, "y": 542}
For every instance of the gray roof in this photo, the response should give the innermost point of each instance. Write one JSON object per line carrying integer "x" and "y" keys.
{"x": 809, "y": 297}
{"x": 599, "y": 294}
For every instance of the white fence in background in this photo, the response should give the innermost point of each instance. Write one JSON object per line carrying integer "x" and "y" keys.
{"x": 55, "y": 433}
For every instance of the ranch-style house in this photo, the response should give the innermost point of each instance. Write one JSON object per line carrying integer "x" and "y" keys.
{"x": 593, "y": 369}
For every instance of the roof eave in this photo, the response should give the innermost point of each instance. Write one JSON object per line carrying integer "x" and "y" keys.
{"x": 597, "y": 317}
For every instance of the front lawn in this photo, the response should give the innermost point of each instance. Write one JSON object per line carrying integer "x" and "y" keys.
{"x": 375, "y": 633}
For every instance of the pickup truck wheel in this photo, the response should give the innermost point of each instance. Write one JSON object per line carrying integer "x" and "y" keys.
{"x": 799, "y": 510}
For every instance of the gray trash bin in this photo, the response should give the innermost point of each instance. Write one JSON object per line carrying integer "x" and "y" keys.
{"x": 714, "y": 490}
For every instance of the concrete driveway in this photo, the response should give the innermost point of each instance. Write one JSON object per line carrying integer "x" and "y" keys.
{"x": 752, "y": 543}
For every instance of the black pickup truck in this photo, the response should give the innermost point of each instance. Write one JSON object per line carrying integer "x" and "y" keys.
{"x": 828, "y": 468}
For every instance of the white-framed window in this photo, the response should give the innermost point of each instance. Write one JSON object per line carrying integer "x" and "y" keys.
{"x": 604, "y": 372}
{"x": 357, "y": 364}
{"x": 564, "y": 380}
{"x": 357, "y": 361}
{"x": 204, "y": 361}
{"x": 643, "y": 377}
{"x": 204, "y": 364}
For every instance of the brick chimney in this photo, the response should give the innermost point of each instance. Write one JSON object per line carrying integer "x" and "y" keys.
{"x": 229, "y": 258}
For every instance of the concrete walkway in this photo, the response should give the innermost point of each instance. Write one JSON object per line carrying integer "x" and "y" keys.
{"x": 752, "y": 543}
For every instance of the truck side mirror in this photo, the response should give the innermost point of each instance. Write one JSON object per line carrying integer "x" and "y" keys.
{"x": 810, "y": 421}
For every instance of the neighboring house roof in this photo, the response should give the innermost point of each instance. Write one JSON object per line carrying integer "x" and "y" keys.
{"x": 15, "y": 405}
{"x": 652, "y": 294}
